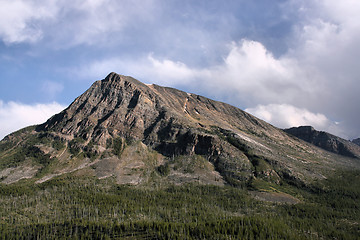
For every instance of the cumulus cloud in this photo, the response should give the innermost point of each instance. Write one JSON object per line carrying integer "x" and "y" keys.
{"x": 14, "y": 116}
{"x": 286, "y": 116}
{"x": 19, "y": 20}
{"x": 166, "y": 70}
{"x": 147, "y": 68}
{"x": 325, "y": 45}
{"x": 251, "y": 73}
{"x": 248, "y": 73}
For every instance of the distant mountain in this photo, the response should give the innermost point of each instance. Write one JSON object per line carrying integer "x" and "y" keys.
{"x": 326, "y": 141}
{"x": 148, "y": 134}
{"x": 356, "y": 141}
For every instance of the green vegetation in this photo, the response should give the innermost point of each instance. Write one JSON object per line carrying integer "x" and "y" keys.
{"x": 58, "y": 144}
{"x": 75, "y": 146}
{"x": 164, "y": 170}
{"x": 5, "y": 146}
{"x": 23, "y": 131}
{"x": 189, "y": 164}
{"x": 117, "y": 146}
{"x": 27, "y": 152}
{"x": 27, "y": 149}
{"x": 69, "y": 207}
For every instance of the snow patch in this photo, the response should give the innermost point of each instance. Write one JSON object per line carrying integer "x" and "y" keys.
{"x": 246, "y": 138}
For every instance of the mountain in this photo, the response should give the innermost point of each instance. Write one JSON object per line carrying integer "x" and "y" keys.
{"x": 326, "y": 141}
{"x": 128, "y": 160}
{"x": 356, "y": 141}
{"x": 147, "y": 134}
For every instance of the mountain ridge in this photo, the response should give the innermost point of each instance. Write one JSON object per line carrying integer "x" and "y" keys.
{"x": 145, "y": 134}
{"x": 326, "y": 141}
{"x": 356, "y": 141}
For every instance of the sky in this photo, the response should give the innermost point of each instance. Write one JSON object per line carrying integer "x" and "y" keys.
{"x": 288, "y": 62}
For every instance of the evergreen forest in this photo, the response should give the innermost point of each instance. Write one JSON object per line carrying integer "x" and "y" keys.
{"x": 77, "y": 207}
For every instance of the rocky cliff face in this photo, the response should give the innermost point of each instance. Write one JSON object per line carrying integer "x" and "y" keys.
{"x": 141, "y": 134}
{"x": 326, "y": 141}
{"x": 123, "y": 106}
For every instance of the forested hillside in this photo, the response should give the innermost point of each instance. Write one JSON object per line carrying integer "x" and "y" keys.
{"x": 69, "y": 207}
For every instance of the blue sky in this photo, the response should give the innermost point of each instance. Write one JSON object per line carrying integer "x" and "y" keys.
{"x": 289, "y": 62}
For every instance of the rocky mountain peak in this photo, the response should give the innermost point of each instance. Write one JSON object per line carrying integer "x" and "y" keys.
{"x": 123, "y": 106}
{"x": 108, "y": 107}
{"x": 123, "y": 128}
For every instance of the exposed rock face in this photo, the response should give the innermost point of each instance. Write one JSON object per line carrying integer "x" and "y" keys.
{"x": 326, "y": 141}
{"x": 158, "y": 116}
{"x": 142, "y": 133}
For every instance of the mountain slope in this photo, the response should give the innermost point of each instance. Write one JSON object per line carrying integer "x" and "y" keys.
{"x": 146, "y": 134}
{"x": 326, "y": 141}
{"x": 356, "y": 141}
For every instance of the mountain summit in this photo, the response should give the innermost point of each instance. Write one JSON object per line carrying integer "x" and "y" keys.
{"x": 146, "y": 134}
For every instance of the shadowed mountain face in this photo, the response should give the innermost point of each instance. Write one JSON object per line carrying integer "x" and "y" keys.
{"x": 356, "y": 141}
{"x": 146, "y": 134}
{"x": 326, "y": 141}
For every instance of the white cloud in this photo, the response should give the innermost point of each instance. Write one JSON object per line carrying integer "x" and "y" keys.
{"x": 286, "y": 116}
{"x": 147, "y": 68}
{"x": 326, "y": 49}
{"x": 69, "y": 23}
{"x": 14, "y": 116}
{"x": 19, "y": 20}
{"x": 249, "y": 73}
{"x": 165, "y": 70}
{"x": 96, "y": 21}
